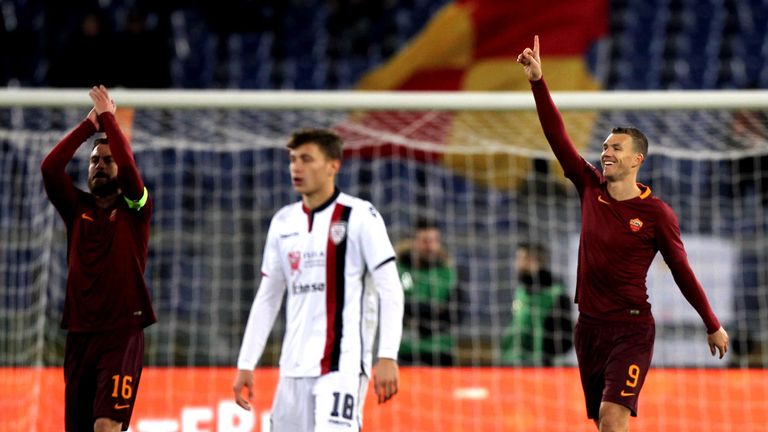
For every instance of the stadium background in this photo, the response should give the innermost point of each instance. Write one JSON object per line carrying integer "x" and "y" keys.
{"x": 202, "y": 269}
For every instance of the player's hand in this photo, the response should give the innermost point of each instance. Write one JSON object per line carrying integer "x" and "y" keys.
{"x": 385, "y": 379}
{"x": 718, "y": 341}
{"x": 531, "y": 61}
{"x": 93, "y": 117}
{"x": 101, "y": 100}
{"x": 244, "y": 378}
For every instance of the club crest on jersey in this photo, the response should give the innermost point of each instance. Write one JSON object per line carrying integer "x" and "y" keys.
{"x": 294, "y": 259}
{"x": 635, "y": 224}
{"x": 338, "y": 232}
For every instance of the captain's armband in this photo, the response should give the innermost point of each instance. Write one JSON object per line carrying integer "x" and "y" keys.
{"x": 139, "y": 203}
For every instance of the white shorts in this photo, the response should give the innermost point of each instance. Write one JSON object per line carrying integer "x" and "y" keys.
{"x": 332, "y": 402}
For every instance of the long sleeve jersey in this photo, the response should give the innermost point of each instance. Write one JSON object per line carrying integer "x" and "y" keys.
{"x": 106, "y": 247}
{"x": 327, "y": 259}
{"x": 619, "y": 239}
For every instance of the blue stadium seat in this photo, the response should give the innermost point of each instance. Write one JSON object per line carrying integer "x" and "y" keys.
{"x": 195, "y": 59}
{"x": 250, "y": 60}
{"x": 310, "y": 45}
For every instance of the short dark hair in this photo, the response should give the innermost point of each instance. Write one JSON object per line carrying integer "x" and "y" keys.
{"x": 99, "y": 141}
{"x": 425, "y": 223}
{"x": 330, "y": 143}
{"x": 537, "y": 250}
{"x": 639, "y": 139}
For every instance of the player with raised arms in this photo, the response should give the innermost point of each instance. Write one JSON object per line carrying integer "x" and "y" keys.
{"x": 331, "y": 253}
{"x": 623, "y": 227}
{"x": 107, "y": 304}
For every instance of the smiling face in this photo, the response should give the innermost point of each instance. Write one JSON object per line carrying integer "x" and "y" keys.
{"x": 312, "y": 172}
{"x": 619, "y": 158}
{"x": 102, "y": 172}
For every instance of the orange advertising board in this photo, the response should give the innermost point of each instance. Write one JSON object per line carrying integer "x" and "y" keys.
{"x": 430, "y": 399}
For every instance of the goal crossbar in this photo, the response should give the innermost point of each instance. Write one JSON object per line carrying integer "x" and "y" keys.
{"x": 365, "y": 100}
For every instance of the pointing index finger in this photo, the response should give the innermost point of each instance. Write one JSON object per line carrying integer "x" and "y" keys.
{"x": 536, "y": 46}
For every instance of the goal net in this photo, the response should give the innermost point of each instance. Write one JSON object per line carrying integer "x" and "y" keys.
{"x": 477, "y": 166}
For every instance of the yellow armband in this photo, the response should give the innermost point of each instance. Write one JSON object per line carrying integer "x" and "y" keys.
{"x": 139, "y": 203}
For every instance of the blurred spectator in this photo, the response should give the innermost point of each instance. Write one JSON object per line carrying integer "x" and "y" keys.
{"x": 87, "y": 57}
{"x": 541, "y": 327}
{"x": 749, "y": 131}
{"x": 430, "y": 283}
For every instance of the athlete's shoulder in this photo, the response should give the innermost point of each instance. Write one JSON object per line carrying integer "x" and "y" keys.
{"x": 358, "y": 205}
{"x": 286, "y": 213}
{"x": 660, "y": 207}
{"x": 349, "y": 200}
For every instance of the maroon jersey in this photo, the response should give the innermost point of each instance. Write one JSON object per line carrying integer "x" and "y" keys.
{"x": 106, "y": 248}
{"x": 619, "y": 239}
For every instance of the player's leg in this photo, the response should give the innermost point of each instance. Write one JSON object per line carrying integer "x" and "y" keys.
{"x": 80, "y": 383}
{"x": 118, "y": 373}
{"x": 625, "y": 372}
{"x": 106, "y": 425}
{"x": 339, "y": 400}
{"x": 591, "y": 351}
{"x": 613, "y": 418}
{"x": 293, "y": 408}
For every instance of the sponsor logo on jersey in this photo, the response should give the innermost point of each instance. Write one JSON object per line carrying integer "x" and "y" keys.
{"x": 600, "y": 198}
{"x": 635, "y": 224}
{"x": 308, "y": 255}
{"x": 299, "y": 288}
{"x": 86, "y": 217}
{"x": 626, "y": 394}
{"x": 338, "y": 232}
{"x": 312, "y": 259}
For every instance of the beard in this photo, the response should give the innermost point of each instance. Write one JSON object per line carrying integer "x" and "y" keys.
{"x": 525, "y": 277}
{"x": 103, "y": 190}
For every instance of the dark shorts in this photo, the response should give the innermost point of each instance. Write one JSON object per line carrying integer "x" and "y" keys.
{"x": 613, "y": 360}
{"x": 101, "y": 372}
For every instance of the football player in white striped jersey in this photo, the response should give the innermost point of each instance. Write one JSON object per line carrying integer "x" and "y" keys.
{"x": 331, "y": 253}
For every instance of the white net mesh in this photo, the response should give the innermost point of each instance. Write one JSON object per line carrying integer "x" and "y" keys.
{"x": 486, "y": 177}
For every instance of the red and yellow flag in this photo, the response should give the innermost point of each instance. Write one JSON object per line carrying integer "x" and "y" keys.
{"x": 472, "y": 45}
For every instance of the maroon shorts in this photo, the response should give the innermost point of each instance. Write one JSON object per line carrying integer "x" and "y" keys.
{"x": 614, "y": 358}
{"x": 101, "y": 372}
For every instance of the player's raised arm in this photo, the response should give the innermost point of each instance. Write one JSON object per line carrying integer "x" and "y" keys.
{"x": 58, "y": 185}
{"x": 127, "y": 174}
{"x": 531, "y": 61}
{"x": 551, "y": 121}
